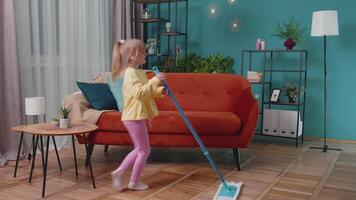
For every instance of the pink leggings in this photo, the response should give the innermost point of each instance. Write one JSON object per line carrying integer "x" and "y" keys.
{"x": 138, "y": 156}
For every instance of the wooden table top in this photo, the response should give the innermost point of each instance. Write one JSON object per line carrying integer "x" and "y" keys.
{"x": 52, "y": 129}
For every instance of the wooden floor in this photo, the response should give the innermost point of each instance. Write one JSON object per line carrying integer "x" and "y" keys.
{"x": 272, "y": 169}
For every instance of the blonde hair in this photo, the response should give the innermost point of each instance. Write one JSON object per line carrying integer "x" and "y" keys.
{"x": 124, "y": 54}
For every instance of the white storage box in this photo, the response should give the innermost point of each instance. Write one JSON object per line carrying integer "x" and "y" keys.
{"x": 271, "y": 122}
{"x": 281, "y": 123}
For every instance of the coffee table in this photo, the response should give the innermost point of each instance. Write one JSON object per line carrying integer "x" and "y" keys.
{"x": 20, "y": 129}
{"x": 51, "y": 130}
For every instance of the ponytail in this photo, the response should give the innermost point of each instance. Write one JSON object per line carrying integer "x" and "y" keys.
{"x": 124, "y": 54}
{"x": 116, "y": 60}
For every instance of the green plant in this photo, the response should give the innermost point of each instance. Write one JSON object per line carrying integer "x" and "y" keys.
{"x": 191, "y": 61}
{"x": 64, "y": 112}
{"x": 292, "y": 29}
{"x": 291, "y": 91}
{"x": 165, "y": 64}
{"x": 215, "y": 63}
{"x": 55, "y": 119}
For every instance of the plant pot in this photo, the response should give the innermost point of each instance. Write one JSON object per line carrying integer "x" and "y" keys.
{"x": 289, "y": 43}
{"x": 291, "y": 99}
{"x": 55, "y": 123}
{"x": 64, "y": 123}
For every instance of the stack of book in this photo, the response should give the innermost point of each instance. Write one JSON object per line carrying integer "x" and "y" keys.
{"x": 254, "y": 77}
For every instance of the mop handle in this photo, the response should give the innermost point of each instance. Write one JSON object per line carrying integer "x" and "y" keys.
{"x": 191, "y": 128}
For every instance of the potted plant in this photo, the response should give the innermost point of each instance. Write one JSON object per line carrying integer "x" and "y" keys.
{"x": 291, "y": 32}
{"x": 291, "y": 91}
{"x": 215, "y": 63}
{"x": 151, "y": 46}
{"x": 64, "y": 120}
{"x": 55, "y": 121}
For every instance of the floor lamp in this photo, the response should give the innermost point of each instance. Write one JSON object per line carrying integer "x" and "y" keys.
{"x": 325, "y": 23}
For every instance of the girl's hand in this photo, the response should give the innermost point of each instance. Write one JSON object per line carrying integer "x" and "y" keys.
{"x": 164, "y": 92}
{"x": 161, "y": 76}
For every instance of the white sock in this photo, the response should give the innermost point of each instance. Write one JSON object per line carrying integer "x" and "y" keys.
{"x": 117, "y": 181}
{"x": 137, "y": 186}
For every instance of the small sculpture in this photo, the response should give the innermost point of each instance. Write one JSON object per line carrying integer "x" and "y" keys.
{"x": 168, "y": 26}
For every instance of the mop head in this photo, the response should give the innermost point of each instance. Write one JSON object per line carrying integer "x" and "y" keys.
{"x": 230, "y": 193}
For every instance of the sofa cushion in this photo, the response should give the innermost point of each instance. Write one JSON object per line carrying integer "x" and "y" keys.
{"x": 170, "y": 122}
{"x": 98, "y": 95}
{"x": 116, "y": 90}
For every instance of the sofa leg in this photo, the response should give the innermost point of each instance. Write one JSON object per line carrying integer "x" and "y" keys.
{"x": 106, "y": 148}
{"x": 90, "y": 152}
{"x": 237, "y": 158}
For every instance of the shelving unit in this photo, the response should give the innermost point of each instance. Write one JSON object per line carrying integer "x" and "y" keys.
{"x": 170, "y": 7}
{"x": 152, "y": 20}
{"x": 269, "y": 70}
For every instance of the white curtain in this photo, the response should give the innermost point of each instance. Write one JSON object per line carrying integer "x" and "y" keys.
{"x": 61, "y": 42}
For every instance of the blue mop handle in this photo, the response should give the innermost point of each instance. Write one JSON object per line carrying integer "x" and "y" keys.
{"x": 191, "y": 128}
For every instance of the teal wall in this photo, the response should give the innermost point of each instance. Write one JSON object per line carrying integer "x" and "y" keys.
{"x": 258, "y": 19}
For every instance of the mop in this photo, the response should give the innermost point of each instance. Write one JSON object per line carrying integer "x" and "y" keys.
{"x": 226, "y": 191}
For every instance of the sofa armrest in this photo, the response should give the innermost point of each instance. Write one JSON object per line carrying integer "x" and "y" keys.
{"x": 247, "y": 110}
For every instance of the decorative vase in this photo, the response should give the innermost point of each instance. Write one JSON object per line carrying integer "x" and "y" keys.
{"x": 64, "y": 123}
{"x": 258, "y": 44}
{"x": 146, "y": 14}
{"x": 291, "y": 99}
{"x": 289, "y": 43}
{"x": 151, "y": 51}
{"x": 168, "y": 27}
{"x": 263, "y": 45}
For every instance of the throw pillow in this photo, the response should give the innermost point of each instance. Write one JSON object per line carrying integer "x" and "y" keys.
{"x": 116, "y": 91}
{"x": 98, "y": 95}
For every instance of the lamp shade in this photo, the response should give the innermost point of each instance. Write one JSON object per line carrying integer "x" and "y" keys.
{"x": 325, "y": 22}
{"x": 35, "y": 106}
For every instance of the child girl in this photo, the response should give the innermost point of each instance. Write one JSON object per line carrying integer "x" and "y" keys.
{"x": 139, "y": 107}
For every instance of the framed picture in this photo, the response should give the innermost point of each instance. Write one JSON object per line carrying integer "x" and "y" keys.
{"x": 275, "y": 95}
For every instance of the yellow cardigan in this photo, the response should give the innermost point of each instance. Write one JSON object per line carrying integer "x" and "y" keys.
{"x": 139, "y": 94}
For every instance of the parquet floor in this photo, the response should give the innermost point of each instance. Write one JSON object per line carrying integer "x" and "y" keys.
{"x": 272, "y": 169}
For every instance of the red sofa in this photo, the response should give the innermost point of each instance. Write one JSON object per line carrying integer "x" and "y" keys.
{"x": 221, "y": 108}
